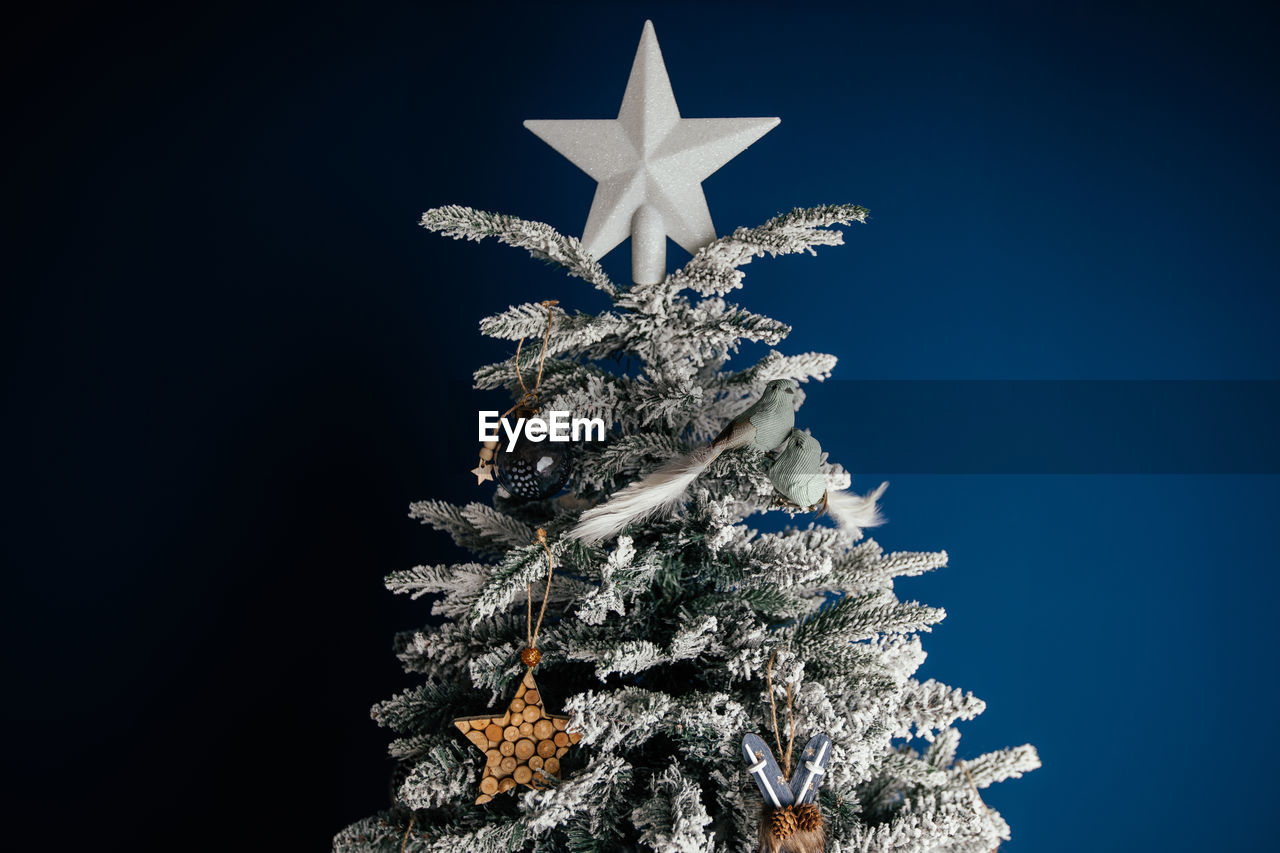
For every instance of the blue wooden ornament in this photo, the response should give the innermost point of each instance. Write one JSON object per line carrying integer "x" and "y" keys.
{"x": 763, "y": 769}
{"x": 810, "y": 770}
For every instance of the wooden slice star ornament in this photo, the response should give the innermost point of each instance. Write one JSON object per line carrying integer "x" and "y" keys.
{"x": 519, "y": 742}
{"x": 524, "y": 741}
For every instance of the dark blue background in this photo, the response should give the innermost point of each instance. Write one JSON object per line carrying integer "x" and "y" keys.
{"x": 232, "y": 359}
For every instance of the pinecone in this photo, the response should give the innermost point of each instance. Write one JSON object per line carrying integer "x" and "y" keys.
{"x": 782, "y": 823}
{"x": 808, "y": 817}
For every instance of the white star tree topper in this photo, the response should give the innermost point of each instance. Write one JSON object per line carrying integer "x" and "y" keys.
{"x": 650, "y": 164}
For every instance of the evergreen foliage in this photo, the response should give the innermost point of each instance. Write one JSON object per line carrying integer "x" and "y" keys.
{"x": 657, "y": 643}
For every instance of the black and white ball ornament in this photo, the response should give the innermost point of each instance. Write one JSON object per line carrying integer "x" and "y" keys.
{"x": 533, "y": 470}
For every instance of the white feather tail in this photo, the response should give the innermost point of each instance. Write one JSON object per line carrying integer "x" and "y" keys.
{"x": 854, "y": 512}
{"x": 657, "y": 493}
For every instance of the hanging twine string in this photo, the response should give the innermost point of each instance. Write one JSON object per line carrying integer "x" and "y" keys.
{"x": 773, "y": 711}
{"x": 786, "y": 821}
{"x": 409, "y": 829}
{"x": 791, "y": 729}
{"x": 531, "y": 656}
{"x": 985, "y": 808}
{"x": 530, "y": 397}
{"x": 528, "y": 401}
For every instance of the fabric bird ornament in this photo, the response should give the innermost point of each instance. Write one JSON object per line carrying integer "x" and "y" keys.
{"x": 791, "y": 821}
{"x": 797, "y": 477}
{"x": 763, "y": 426}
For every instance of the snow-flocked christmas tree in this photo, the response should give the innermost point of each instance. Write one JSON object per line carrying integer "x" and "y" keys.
{"x": 659, "y": 646}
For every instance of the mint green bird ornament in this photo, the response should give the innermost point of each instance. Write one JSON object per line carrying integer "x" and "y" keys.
{"x": 763, "y": 426}
{"x": 797, "y": 472}
{"x": 797, "y": 477}
{"x": 766, "y": 423}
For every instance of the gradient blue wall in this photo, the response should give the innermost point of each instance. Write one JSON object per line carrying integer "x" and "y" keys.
{"x": 232, "y": 359}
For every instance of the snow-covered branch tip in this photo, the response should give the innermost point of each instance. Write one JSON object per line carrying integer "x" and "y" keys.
{"x": 714, "y": 269}
{"x": 538, "y": 238}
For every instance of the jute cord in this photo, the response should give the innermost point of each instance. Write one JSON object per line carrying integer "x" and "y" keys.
{"x": 408, "y": 829}
{"x": 773, "y": 712}
{"x": 985, "y": 808}
{"x": 530, "y": 397}
{"x": 531, "y": 629}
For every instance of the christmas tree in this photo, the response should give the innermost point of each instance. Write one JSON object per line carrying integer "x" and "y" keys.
{"x": 591, "y": 687}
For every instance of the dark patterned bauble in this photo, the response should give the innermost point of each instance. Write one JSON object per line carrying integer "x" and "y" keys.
{"x": 533, "y": 470}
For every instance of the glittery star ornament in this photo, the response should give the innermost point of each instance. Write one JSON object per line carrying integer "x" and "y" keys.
{"x": 519, "y": 742}
{"x": 650, "y": 164}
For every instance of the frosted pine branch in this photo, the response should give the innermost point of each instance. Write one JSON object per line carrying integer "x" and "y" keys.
{"x": 500, "y": 529}
{"x": 714, "y": 269}
{"x": 413, "y": 746}
{"x": 497, "y": 836}
{"x": 621, "y": 577}
{"x": 775, "y": 365}
{"x": 459, "y": 522}
{"x": 627, "y": 453}
{"x": 439, "y": 778}
{"x": 416, "y": 709}
{"x": 575, "y": 333}
{"x": 447, "y": 651}
{"x": 377, "y": 834}
{"x": 580, "y": 795}
{"x": 555, "y": 374}
{"x": 672, "y": 818}
{"x": 1003, "y": 764}
{"x": 629, "y": 715}
{"x": 496, "y": 667}
{"x": 716, "y": 327}
{"x": 612, "y": 654}
{"x": 780, "y": 560}
{"x": 942, "y": 751}
{"x": 932, "y": 707}
{"x": 625, "y": 719}
{"x": 853, "y": 619}
{"x": 667, "y": 398}
{"x": 922, "y": 823}
{"x": 538, "y": 238}
{"x": 424, "y": 580}
{"x": 521, "y": 568}
{"x": 460, "y": 585}
{"x": 866, "y": 568}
